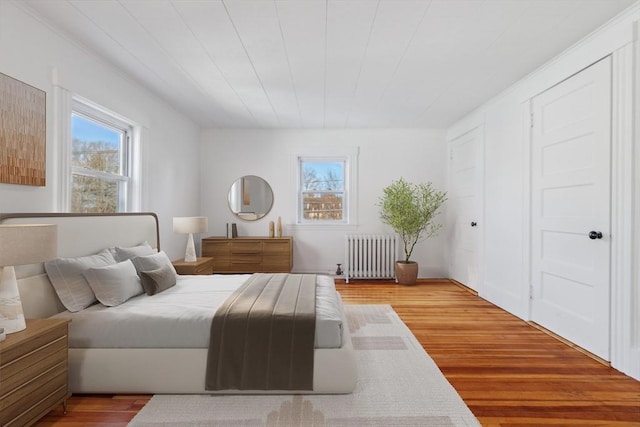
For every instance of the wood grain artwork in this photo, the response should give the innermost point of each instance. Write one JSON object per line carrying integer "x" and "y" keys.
{"x": 22, "y": 133}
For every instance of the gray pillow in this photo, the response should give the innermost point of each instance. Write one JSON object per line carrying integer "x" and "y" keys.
{"x": 158, "y": 280}
{"x": 122, "y": 254}
{"x": 153, "y": 262}
{"x": 114, "y": 284}
{"x": 66, "y": 276}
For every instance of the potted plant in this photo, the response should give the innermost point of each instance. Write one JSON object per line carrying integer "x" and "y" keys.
{"x": 410, "y": 210}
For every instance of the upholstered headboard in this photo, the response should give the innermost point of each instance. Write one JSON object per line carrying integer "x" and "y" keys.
{"x": 78, "y": 235}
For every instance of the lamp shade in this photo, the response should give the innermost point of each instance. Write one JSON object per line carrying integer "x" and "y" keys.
{"x": 27, "y": 243}
{"x": 190, "y": 224}
{"x": 21, "y": 244}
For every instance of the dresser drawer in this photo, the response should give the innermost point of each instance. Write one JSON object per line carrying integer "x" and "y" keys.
{"x": 282, "y": 260}
{"x": 220, "y": 264}
{"x": 214, "y": 248}
{"x": 246, "y": 247}
{"x": 277, "y": 248}
{"x": 245, "y": 267}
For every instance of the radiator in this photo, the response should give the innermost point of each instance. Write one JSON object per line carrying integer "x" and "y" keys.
{"x": 370, "y": 256}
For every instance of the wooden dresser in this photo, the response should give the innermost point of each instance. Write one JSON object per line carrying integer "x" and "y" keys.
{"x": 34, "y": 371}
{"x": 249, "y": 254}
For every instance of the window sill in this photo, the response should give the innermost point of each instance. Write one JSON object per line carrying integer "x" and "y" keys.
{"x": 323, "y": 227}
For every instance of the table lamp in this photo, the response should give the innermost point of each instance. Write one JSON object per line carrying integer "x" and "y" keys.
{"x": 21, "y": 244}
{"x": 190, "y": 225}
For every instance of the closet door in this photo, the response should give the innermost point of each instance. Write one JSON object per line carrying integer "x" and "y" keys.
{"x": 465, "y": 196}
{"x": 571, "y": 204}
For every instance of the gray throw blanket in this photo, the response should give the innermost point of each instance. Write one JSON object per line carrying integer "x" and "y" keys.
{"x": 263, "y": 335}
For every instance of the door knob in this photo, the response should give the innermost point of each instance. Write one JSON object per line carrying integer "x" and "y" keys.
{"x": 473, "y": 223}
{"x": 593, "y": 235}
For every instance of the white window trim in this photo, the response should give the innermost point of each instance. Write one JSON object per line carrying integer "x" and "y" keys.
{"x": 328, "y": 152}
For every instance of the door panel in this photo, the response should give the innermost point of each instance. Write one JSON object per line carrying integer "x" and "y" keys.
{"x": 464, "y": 202}
{"x": 571, "y": 197}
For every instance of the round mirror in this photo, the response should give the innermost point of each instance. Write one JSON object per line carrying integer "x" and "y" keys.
{"x": 250, "y": 198}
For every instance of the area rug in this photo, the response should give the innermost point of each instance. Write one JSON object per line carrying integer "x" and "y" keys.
{"x": 399, "y": 385}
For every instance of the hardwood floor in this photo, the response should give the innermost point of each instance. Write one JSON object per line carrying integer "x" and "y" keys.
{"x": 508, "y": 372}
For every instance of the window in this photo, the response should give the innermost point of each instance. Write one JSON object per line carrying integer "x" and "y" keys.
{"x": 323, "y": 190}
{"x": 100, "y": 160}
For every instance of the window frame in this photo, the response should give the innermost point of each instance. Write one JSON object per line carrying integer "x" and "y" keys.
{"x": 327, "y": 148}
{"x": 125, "y": 180}
{"x": 346, "y": 189}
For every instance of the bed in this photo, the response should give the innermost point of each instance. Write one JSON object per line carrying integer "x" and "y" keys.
{"x": 139, "y": 365}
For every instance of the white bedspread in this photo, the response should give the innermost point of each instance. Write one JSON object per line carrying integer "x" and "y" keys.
{"x": 181, "y": 316}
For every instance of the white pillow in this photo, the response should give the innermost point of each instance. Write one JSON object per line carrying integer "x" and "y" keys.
{"x": 114, "y": 284}
{"x": 122, "y": 254}
{"x": 66, "y": 275}
{"x": 153, "y": 262}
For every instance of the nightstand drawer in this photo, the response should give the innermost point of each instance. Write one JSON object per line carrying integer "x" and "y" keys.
{"x": 204, "y": 269}
{"x": 32, "y": 392}
{"x": 203, "y": 265}
{"x": 40, "y": 409}
{"x": 33, "y": 371}
{"x": 31, "y": 364}
{"x": 11, "y": 354}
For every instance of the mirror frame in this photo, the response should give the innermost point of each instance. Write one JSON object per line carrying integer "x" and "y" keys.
{"x": 245, "y": 196}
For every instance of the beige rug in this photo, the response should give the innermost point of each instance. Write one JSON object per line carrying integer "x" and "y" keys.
{"x": 398, "y": 386}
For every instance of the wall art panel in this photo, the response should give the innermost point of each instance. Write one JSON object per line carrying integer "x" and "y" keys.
{"x": 22, "y": 133}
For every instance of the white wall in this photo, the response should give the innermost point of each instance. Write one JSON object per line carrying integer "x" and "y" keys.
{"x": 384, "y": 155}
{"x": 506, "y": 260}
{"x": 34, "y": 53}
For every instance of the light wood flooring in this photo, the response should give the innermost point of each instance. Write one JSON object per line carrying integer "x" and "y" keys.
{"x": 508, "y": 372}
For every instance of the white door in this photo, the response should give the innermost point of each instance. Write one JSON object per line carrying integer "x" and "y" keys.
{"x": 571, "y": 208}
{"x": 464, "y": 204}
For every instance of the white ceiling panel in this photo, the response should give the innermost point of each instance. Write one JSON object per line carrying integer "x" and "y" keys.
{"x": 135, "y": 50}
{"x": 259, "y": 30}
{"x": 326, "y": 63}
{"x": 349, "y": 26}
{"x": 217, "y": 36}
{"x": 393, "y": 30}
{"x": 168, "y": 32}
{"x": 303, "y": 26}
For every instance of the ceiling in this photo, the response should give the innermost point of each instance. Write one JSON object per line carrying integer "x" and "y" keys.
{"x": 327, "y": 63}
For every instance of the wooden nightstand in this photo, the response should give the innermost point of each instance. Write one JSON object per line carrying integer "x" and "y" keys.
{"x": 202, "y": 265}
{"x": 34, "y": 371}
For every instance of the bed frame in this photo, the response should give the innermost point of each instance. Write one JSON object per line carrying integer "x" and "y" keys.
{"x": 142, "y": 370}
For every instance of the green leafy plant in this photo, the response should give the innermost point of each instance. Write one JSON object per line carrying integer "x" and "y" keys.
{"x": 410, "y": 210}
